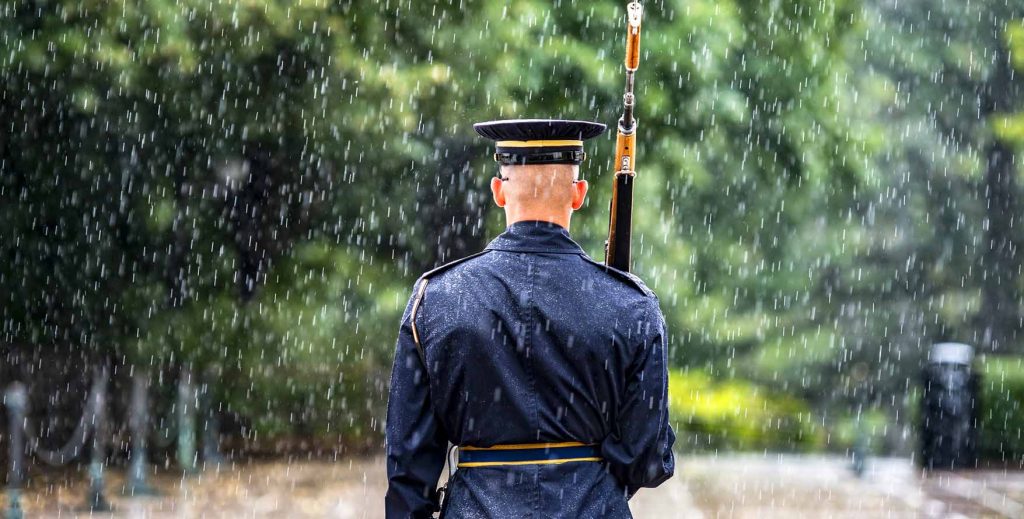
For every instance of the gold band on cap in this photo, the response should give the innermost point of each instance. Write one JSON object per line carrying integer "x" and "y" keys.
{"x": 538, "y": 144}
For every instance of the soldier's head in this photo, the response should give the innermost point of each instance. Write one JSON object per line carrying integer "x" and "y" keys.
{"x": 549, "y": 192}
{"x": 539, "y": 166}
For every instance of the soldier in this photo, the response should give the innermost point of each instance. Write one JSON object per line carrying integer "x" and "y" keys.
{"x": 544, "y": 367}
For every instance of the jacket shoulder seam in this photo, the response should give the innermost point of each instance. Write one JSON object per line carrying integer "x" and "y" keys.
{"x": 625, "y": 277}
{"x": 437, "y": 270}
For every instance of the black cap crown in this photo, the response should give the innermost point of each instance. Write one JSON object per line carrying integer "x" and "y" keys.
{"x": 539, "y": 141}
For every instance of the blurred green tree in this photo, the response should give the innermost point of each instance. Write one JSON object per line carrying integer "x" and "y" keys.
{"x": 187, "y": 181}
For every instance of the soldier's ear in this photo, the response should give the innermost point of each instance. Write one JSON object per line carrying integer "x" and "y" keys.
{"x": 579, "y": 194}
{"x": 497, "y": 192}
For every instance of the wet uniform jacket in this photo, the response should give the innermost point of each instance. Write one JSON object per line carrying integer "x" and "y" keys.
{"x": 530, "y": 341}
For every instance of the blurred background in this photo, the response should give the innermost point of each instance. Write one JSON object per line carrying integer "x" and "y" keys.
{"x": 232, "y": 199}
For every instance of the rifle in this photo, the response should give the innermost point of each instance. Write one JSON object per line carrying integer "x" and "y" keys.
{"x": 620, "y": 223}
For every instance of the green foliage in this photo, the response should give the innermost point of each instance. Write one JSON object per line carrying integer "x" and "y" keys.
{"x": 869, "y": 431}
{"x": 1001, "y": 417}
{"x": 734, "y": 414}
{"x": 1010, "y": 127}
{"x": 321, "y": 352}
{"x": 922, "y": 248}
{"x": 309, "y": 356}
{"x": 253, "y": 185}
{"x": 197, "y": 182}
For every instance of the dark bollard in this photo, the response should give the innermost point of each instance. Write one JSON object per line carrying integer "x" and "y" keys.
{"x": 16, "y": 399}
{"x": 95, "y": 500}
{"x": 186, "y": 410}
{"x": 138, "y": 425}
{"x": 949, "y": 435}
{"x": 211, "y": 421}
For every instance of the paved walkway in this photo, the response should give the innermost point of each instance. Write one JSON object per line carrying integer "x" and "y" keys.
{"x": 734, "y": 486}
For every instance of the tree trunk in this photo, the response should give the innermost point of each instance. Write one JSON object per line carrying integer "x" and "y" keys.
{"x": 1001, "y": 267}
{"x": 1000, "y": 264}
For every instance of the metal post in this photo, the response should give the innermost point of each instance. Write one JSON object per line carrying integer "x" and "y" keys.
{"x": 186, "y": 410}
{"x": 211, "y": 421}
{"x": 16, "y": 399}
{"x": 860, "y": 449}
{"x": 95, "y": 500}
{"x": 138, "y": 425}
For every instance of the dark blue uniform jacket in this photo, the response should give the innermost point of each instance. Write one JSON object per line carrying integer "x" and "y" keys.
{"x": 529, "y": 341}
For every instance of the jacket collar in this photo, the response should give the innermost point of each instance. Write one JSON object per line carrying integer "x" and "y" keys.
{"x": 535, "y": 236}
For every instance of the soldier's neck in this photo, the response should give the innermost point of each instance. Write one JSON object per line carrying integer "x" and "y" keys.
{"x": 522, "y": 214}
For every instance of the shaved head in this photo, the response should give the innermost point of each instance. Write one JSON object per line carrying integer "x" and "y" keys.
{"x": 548, "y": 192}
{"x": 548, "y": 185}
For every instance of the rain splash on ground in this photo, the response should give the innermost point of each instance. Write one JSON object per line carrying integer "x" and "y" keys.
{"x": 740, "y": 486}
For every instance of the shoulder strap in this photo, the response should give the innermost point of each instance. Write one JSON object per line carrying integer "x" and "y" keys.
{"x": 412, "y": 320}
{"x": 419, "y": 299}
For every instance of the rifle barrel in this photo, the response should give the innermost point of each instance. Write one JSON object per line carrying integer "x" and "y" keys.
{"x": 617, "y": 248}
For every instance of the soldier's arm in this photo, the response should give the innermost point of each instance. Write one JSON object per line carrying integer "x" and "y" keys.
{"x": 639, "y": 451}
{"x": 415, "y": 442}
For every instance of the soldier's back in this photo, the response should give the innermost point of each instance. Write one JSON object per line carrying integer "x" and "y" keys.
{"x": 532, "y": 342}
